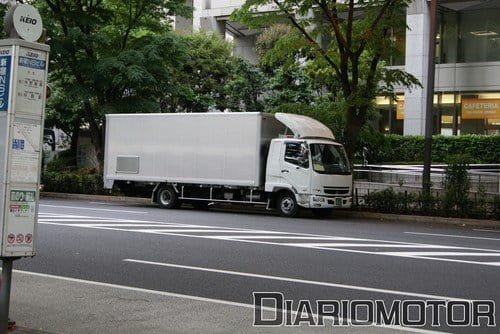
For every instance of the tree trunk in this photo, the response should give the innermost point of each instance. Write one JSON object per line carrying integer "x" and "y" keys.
{"x": 351, "y": 133}
{"x": 96, "y": 136}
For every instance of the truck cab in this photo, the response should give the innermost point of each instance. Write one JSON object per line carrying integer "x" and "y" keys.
{"x": 308, "y": 168}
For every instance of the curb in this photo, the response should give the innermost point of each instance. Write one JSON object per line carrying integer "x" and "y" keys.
{"x": 103, "y": 198}
{"x": 337, "y": 213}
{"x": 418, "y": 219}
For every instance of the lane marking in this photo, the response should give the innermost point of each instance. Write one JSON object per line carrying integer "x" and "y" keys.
{"x": 93, "y": 209}
{"x": 200, "y": 299}
{"x": 483, "y": 230}
{"x": 452, "y": 236}
{"x": 319, "y": 244}
{"x": 274, "y": 237}
{"x": 440, "y": 254}
{"x": 104, "y": 220}
{"x": 295, "y": 280}
{"x": 318, "y": 236}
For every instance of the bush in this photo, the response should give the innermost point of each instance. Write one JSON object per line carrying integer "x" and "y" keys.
{"x": 397, "y": 148}
{"x": 65, "y": 161}
{"x": 390, "y": 201}
{"x": 76, "y": 182}
{"x": 456, "y": 185}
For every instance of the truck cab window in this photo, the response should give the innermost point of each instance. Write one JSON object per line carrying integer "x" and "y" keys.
{"x": 297, "y": 153}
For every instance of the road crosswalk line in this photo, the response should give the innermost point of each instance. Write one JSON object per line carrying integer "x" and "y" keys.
{"x": 320, "y": 242}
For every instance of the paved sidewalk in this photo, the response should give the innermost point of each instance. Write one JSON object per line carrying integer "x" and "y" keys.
{"x": 54, "y": 305}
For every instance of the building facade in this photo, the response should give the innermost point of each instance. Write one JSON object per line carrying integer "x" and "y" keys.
{"x": 467, "y": 79}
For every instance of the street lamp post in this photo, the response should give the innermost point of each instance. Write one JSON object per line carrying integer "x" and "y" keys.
{"x": 426, "y": 176}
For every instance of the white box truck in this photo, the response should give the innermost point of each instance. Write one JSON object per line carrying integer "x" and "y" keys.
{"x": 283, "y": 161}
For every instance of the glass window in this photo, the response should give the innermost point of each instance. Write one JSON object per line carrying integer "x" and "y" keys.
{"x": 297, "y": 153}
{"x": 329, "y": 159}
{"x": 470, "y": 35}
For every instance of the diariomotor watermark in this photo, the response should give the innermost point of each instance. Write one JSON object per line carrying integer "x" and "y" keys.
{"x": 435, "y": 312}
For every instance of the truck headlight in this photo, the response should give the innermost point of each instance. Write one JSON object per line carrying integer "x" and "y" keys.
{"x": 318, "y": 199}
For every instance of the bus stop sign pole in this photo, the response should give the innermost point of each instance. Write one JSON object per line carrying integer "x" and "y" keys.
{"x": 23, "y": 83}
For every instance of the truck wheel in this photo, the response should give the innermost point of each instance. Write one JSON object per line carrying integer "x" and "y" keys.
{"x": 167, "y": 198}
{"x": 321, "y": 213}
{"x": 287, "y": 205}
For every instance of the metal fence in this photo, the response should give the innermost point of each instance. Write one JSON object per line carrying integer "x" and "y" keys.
{"x": 483, "y": 177}
{"x": 398, "y": 189}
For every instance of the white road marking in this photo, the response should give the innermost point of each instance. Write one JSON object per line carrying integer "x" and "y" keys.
{"x": 275, "y": 238}
{"x": 483, "y": 230}
{"x": 168, "y": 230}
{"x": 297, "y": 280}
{"x": 494, "y": 263}
{"x": 107, "y": 220}
{"x": 93, "y": 209}
{"x": 440, "y": 254}
{"x": 319, "y": 244}
{"x": 197, "y": 298}
{"x": 452, "y": 236}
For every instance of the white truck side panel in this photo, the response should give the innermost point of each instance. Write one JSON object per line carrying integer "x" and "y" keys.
{"x": 205, "y": 148}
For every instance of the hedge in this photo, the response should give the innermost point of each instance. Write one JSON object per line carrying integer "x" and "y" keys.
{"x": 397, "y": 148}
{"x": 73, "y": 182}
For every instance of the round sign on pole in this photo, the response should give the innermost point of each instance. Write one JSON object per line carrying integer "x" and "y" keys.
{"x": 23, "y": 21}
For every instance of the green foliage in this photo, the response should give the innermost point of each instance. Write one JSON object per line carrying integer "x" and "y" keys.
{"x": 289, "y": 85}
{"x": 390, "y": 201}
{"x": 245, "y": 87}
{"x": 457, "y": 185}
{"x": 72, "y": 182}
{"x": 328, "y": 113}
{"x": 203, "y": 74}
{"x": 106, "y": 57}
{"x": 397, "y": 148}
{"x": 341, "y": 51}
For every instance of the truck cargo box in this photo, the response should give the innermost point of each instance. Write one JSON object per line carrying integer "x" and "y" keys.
{"x": 195, "y": 148}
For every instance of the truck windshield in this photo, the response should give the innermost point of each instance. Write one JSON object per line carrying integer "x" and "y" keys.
{"x": 329, "y": 159}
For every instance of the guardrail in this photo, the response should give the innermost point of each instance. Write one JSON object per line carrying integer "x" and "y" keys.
{"x": 485, "y": 177}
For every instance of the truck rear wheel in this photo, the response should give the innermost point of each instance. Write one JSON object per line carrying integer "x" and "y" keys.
{"x": 167, "y": 198}
{"x": 287, "y": 205}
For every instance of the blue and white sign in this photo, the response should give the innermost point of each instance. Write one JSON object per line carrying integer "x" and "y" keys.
{"x": 5, "y": 64}
{"x": 18, "y": 144}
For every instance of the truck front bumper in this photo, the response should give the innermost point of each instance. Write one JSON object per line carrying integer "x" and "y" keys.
{"x": 323, "y": 202}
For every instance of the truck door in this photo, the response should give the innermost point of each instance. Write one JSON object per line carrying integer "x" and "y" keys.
{"x": 295, "y": 165}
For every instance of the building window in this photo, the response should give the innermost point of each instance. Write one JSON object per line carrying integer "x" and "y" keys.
{"x": 469, "y": 35}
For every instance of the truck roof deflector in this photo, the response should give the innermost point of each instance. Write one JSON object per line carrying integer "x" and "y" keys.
{"x": 304, "y": 127}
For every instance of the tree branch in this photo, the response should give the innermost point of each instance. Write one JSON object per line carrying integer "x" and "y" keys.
{"x": 368, "y": 34}
{"x": 315, "y": 44}
{"x": 333, "y": 20}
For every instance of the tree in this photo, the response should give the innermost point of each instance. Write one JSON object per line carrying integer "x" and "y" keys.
{"x": 246, "y": 87}
{"x": 347, "y": 42}
{"x": 202, "y": 76}
{"x": 108, "y": 56}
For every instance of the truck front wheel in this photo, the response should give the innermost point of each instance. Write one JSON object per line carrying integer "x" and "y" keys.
{"x": 287, "y": 205}
{"x": 167, "y": 198}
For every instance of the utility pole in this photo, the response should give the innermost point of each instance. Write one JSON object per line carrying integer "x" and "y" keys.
{"x": 429, "y": 119}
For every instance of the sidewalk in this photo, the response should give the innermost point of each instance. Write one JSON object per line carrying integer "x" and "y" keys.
{"x": 50, "y": 305}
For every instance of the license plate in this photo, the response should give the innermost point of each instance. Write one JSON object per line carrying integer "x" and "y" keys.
{"x": 338, "y": 201}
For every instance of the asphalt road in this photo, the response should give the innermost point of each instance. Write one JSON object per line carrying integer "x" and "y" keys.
{"x": 226, "y": 255}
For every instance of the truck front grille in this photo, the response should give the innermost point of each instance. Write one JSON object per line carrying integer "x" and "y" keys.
{"x": 336, "y": 190}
